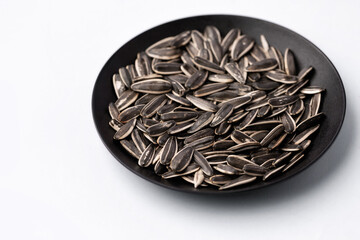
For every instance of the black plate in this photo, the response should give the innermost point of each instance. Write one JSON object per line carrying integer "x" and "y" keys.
{"x": 306, "y": 54}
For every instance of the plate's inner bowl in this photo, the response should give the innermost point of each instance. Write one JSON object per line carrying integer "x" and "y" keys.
{"x": 306, "y": 55}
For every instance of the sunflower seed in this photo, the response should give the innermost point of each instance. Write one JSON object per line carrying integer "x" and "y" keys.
{"x": 310, "y": 122}
{"x": 178, "y": 116}
{"x": 165, "y": 53}
{"x": 283, "y": 100}
{"x": 291, "y": 148}
{"x": 182, "y": 159}
{"x": 282, "y": 159}
{"x": 263, "y": 125}
{"x": 315, "y": 104}
{"x": 208, "y": 89}
{"x": 125, "y": 130}
{"x": 272, "y": 173}
{"x": 178, "y": 88}
{"x": 305, "y": 134}
{"x": 264, "y": 43}
{"x": 220, "y": 179}
{"x": 196, "y": 80}
{"x": 222, "y": 96}
{"x": 262, "y": 66}
{"x": 240, "y": 137}
{"x": 239, "y": 101}
{"x": 237, "y": 161}
{"x": 118, "y": 85}
{"x": 296, "y": 87}
{"x": 188, "y": 69}
{"x": 152, "y": 86}
{"x": 153, "y": 106}
{"x": 297, "y": 107}
{"x": 177, "y": 77}
{"x": 243, "y": 179}
{"x": 178, "y": 99}
{"x": 312, "y": 90}
{"x": 160, "y": 128}
{"x": 216, "y": 49}
{"x": 167, "y": 108}
{"x": 272, "y": 134}
{"x": 191, "y": 168}
{"x": 293, "y": 161}
{"x": 180, "y": 127}
{"x": 159, "y": 168}
{"x": 130, "y": 148}
{"x": 169, "y": 150}
{"x": 233, "y": 69}
{"x": 223, "y": 128}
{"x": 229, "y": 39}
{"x": 277, "y": 141}
{"x": 203, "y": 163}
{"x": 277, "y": 111}
{"x": 256, "y": 95}
{"x": 257, "y": 53}
{"x": 198, "y": 178}
{"x": 288, "y": 122}
{"x": 199, "y": 134}
{"x": 259, "y": 135}
{"x": 140, "y": 126}
{"x": 289, "y": 60}
{"x": 305, "y": 72}
{"x": 265, "y": 157}
{"x": 198, "y": 39}
{"x": 201, "y": 143}
{"x": 149, "y": 122}
{"x": 242, "y": 45}
{"x": 220, "y": 78}
{"x": 132, "y": 71}
{"x": 222, "y": 114}
{"x": 212, "y": 32}
{"x": 130, "y": 113}
{"x": 245, "y": 146}
{"x": 126, "y": 99}
{"x": 147, "y": 156}
{"x": 216, "y": 158}
{"x": 166, "y": 68}
{"x": 263, "y": 111}
{"x": 281, "y": 77}
{"x": 139, "y": 140}
{"x": 206, "y": 64}
{"x": 125, "y": 77}
{"x": 226, "y": 169}
{"x": 248, "y": 119}
{"x": 237, "y": 117}
{"x": 202, "y": 104}
{"x": 258, "y": 104}
{"x": 254, "y": 170}
{"x": 223, "y": 144}
{"x": 140, "y": 65}
{"x": 181, "y": 39}
{"x": 161, "y": 140}
{"x": 145, "y": 99}
{"x": 113, "y": 111}
{"x": 265, "y": 84}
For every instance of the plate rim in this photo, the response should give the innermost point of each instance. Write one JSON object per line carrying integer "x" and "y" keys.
{"x": 235, "y": 190}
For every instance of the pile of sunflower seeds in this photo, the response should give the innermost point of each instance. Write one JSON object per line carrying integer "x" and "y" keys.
{"x": 215, "y": 111}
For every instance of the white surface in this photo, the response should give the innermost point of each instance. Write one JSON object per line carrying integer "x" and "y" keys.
{"x": 58, "y": 181}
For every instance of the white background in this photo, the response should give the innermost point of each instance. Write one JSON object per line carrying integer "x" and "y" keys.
{"x": 58, "y": 181}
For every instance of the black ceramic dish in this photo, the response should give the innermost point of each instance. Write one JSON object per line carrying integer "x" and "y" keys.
{"x": 326, "y": 76}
